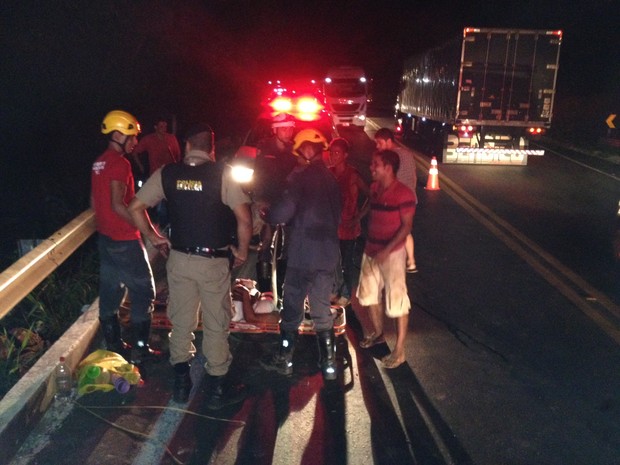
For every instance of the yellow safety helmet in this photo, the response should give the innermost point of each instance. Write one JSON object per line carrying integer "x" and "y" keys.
{"x": 309, "y": 135}
{"x": 121, "y": 121}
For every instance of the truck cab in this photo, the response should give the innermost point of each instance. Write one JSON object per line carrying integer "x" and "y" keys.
{"x": 347, "y": 95}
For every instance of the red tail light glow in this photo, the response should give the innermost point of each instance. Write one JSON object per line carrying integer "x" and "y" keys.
{"x": 466, "y": 130}
{"x": 305, "y": 108}
{"x": 309, "y": 105}
{"x": 281, "y": 105}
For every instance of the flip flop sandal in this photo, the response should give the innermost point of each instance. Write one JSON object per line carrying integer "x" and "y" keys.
{"x": 390, "y": 363}
{"x": 372, "y": 340}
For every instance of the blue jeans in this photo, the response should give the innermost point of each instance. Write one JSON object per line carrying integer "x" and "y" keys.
{"x": 124, "y": 264}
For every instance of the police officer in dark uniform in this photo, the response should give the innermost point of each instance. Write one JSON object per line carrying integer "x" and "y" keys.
{"x": 310, "y": 207}
{"x": 203, "y": 203}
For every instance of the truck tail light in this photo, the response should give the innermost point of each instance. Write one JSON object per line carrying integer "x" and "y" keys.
{"x": 466, "y": 130}
{"x": 536, "y": 131}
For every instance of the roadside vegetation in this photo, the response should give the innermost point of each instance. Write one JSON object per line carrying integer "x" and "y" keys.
{"x": 603, "y": 148}
{"x": 580, "y": 124}
{"x": 46, "y": 313}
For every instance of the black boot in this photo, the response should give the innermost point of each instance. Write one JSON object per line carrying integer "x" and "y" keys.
{"x": 282, "y": 361}
{"x": 182, "y": 382}
{"x": 141, "y": 351}
{"x": 327, "y": 351}
{"x": 220, "y": 394}
{"x": 111, "y": 329}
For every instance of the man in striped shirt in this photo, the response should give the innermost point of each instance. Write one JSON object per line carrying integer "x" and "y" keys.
{"x": 384, "y": 140}
{"x": 392, "y": 207}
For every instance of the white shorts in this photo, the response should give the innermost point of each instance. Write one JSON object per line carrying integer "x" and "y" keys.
{"x": 389, "y": 275}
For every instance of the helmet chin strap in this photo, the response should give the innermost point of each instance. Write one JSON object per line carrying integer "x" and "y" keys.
{"x": 121, "y": 146}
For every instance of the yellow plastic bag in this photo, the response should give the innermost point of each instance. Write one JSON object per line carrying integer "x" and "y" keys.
{"x": 105, "y": 371}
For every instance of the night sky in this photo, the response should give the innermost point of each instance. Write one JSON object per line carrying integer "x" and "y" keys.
{"x": 66, "y": 63}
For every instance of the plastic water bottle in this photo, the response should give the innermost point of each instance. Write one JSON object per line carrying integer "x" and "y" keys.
{"x": 64, "y": 380}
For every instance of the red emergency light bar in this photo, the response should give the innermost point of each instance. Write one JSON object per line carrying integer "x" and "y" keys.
{"x": 309, "y": 105}
{"x": 281, "y": 105}
{"x": 304, "y": 108}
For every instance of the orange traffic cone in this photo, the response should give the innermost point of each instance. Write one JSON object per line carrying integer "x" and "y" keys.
{"x": 433, "y": 176}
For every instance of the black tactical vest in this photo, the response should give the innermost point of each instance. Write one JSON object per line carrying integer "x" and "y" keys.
{"x": 198, "y": 217}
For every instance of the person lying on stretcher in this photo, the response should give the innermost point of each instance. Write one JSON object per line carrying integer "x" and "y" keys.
{"x": 251, "y": 306}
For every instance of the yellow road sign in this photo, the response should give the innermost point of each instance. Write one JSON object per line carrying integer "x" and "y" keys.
{"x": 610, "y": 121}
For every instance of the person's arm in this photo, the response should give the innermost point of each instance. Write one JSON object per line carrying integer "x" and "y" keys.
{"x": 150, "y": 194}
{"x": 242, "y": 294}
{"x": 350, "y": 213}
{"x": 362, "y": 187}
{"x": 175, "y": 149}
{"x": 140, "y": 217}
{"x": 406, "y": 223}
{"x": 117, "y": 200}
{"x": 364, "y": 190}
{"x": 135, "y": 154}
{"x": 243, "y": 215}
{"x": 365, "y": 208}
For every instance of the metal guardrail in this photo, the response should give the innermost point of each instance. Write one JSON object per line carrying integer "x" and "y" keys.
{"x": 18, "y": 280}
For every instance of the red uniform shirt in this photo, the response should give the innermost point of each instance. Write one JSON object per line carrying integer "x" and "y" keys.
{"x": 112, "y": 166}
{"x": 161, "y": 151}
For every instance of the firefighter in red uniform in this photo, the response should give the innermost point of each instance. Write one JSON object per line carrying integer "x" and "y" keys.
{"x": 124, "y": 262}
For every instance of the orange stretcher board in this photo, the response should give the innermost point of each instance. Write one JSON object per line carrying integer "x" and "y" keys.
{"x": 160, "y": 321}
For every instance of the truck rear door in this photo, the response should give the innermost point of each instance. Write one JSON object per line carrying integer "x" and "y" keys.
{"x": 508, "y": 77}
